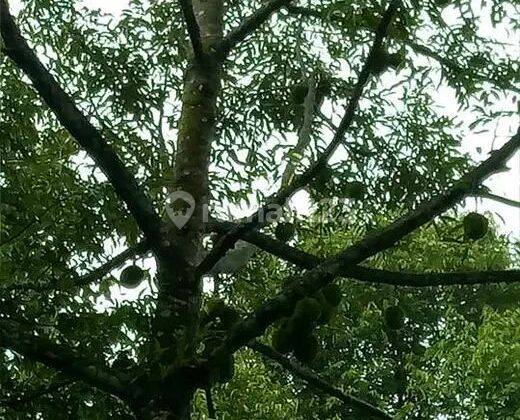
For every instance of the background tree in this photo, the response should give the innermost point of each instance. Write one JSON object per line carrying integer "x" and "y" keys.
{"x": 101, "y": 120}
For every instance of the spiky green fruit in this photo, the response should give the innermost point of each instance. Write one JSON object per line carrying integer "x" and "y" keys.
{"x": 332, "y": 293}
{"x": 383, "y": 60}
{"x": 308, "y": 309}
{"x": 298, "y": 93}
{"x": 218, "y": 309}
{"x": 284, "y": 231}
{"x": 282, "y": 340}
{"x": 475, "y": 226}
{"x": 324, "y": 87}
{"x": 327, "y": 310}
{"x": 355, "y": 190}
{"x": 306, "y": 349}
{"x": 394, "y": 317}
{"x": 131, "y": 277}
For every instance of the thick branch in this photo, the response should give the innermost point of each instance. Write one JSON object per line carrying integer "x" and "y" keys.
{"x": 250, "y": 24}
{"x": 275, "y": 308}
{"x": 66, "y": 360}
{"x": 193, "y": 28}
{"x": 371, "y": 275}
{"x": 16, "y": 47}
{"x": 316, "y": 382}
{"x": 464, "y": 278}
{"x": 281, "y": 197}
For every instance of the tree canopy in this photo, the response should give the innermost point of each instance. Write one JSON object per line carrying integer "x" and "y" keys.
{"x": 156, "y": 260}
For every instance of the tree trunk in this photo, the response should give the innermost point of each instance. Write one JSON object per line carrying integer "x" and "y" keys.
{"x": 177, "y": 316}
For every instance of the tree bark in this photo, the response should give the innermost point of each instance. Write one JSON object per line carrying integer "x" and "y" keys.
{"x": 178, "y": 306}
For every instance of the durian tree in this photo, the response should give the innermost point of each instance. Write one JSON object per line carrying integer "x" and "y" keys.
{"x": 105, "y": 123}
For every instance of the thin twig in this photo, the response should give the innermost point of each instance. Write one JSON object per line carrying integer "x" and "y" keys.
{"x": 498, "y": 198}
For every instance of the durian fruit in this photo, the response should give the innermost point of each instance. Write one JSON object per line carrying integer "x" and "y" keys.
{"x": 475, "y": 226}
{"x": 215, "y": 307}
{"x": 284, "y": 231}
{"x": 383, "y": 60}
{"x": 123, "y": 362}
{"x": 305, "y": 316}
{"x": 299, "y": 92}
{"x": 394, "y": 317}
{"x": 229, "y": 317}
{"x": 323, "y": 179}
{"x": 131, "y": 277}
{"x": 355, "y": 190}
{"x": 324, "y": 87}
{"x": 218, "y": 309}
{"x": 395, "y": 60}
{"x": 332, "y": 293}
{"x": 282, "y": 339}
{"x": 327, "y": 310}
{"x": 418, "y": 349}
{"x": 306, "y": 348}
{"x": 327, "y": 313}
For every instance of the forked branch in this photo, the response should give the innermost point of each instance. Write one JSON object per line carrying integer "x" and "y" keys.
{"x": 312, "y": 281}
{"x": 125, "y": 184}
{"x": 308, "y": 261}
{"x": 280, "y": 198}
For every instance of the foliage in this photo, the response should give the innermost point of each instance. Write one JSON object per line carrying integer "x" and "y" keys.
{"x": 60, "y": 218}
{"x": 436, "y": 347}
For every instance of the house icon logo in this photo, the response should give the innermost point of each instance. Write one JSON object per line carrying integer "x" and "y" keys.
{"x": 180, "y": 206}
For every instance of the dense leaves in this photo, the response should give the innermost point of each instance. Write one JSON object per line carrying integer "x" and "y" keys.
{"x": 418, "y": 353}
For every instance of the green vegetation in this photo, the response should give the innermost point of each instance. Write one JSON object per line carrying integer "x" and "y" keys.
{"x": 387, "y": 295}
